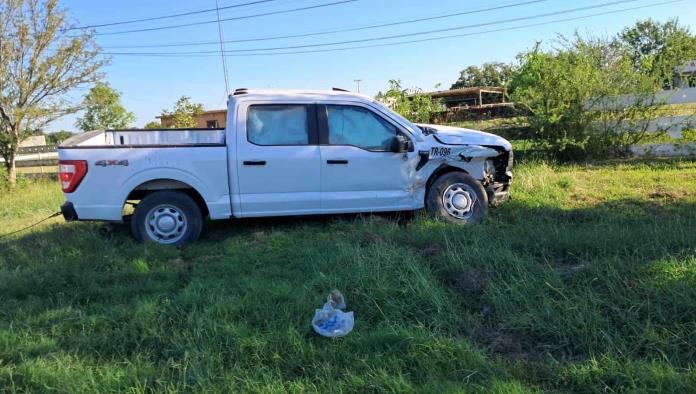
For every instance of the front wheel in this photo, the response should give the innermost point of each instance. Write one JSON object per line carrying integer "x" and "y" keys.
{"x": 168, "y": 218}
{"x": 457, "y": 198}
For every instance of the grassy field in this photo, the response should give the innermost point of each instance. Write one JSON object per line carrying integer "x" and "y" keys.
{"x": 585, "y": 282}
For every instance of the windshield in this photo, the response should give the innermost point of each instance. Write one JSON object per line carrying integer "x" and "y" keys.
{"x": 414, "y": 129}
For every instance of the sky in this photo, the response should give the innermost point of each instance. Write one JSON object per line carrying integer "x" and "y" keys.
{"x": 150, "y": 84}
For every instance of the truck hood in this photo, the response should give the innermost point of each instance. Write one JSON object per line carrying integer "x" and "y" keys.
{"x": 448, "y": 135}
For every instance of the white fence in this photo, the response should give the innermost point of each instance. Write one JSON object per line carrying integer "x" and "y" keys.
{"x": 678, "y": 96}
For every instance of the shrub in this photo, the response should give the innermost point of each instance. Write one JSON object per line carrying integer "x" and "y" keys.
{"x": 410, "y": 103}
{"x": 583, "y": 98}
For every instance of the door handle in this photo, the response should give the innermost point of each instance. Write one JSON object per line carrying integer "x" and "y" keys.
{"x": 254, "y": 162}
{"x": 339, "y": 161}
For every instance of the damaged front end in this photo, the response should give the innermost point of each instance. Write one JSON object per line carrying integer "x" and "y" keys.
{"x": 499, "y": 177}
{"x": 486, "y": 157}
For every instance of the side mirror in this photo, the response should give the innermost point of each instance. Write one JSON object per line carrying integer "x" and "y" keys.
{"x": 401, "y": 144}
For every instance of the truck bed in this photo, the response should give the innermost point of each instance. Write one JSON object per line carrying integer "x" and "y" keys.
{"x": 146, "y": 137}
{"x": 120, "y": 162}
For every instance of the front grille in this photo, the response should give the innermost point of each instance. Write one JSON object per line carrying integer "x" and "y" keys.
{"x": 503, "y": 164}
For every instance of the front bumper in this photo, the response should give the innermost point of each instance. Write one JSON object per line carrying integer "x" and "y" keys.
{"x": 68, "y": 211}
{"x": 499, "y": 190}
{"x": 498, "y": 193}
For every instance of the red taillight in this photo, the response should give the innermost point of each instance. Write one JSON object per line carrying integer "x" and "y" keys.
{"x": 71, "y": 174}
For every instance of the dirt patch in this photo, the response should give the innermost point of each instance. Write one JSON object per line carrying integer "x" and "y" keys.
{"x": 371, "y": 239}
{"x": 505, "y": 342}
{"x": 379, "y": 219}
{"x": 257, "y": 238}
{"x": 493, "y": 336}
{"x": 576, "y": 216}
{"x": 667, "y": 195}
{"x": 107, "y": 229}
{"x": 516, "y": 345}
{"x": 431, "y": 251}
{"x": 180, "y": 264}
{"x": 471, "y": 282}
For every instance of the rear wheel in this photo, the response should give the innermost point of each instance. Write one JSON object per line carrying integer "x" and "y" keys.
{"x": 457, "y": 198}
{"x": 168, "y": 218}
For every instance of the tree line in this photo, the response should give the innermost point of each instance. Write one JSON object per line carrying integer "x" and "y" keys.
{"x": 561, "y": 90}
{"x": 581, "y": 96}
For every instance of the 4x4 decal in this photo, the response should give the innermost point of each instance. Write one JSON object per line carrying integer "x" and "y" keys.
{"x": 107, "y": 163}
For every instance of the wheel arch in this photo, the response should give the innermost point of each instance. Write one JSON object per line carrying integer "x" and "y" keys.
{"x": 443, "y": 169}
{"x": 159, "y": 184}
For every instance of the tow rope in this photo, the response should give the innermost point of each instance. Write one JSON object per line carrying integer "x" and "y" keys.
{"x": 31, "y": 225}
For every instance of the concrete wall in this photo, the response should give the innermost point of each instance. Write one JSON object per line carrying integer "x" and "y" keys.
{"x": 34, "y": 140}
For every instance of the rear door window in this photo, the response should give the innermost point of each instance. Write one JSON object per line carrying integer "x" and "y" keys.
{"x": 278, "y": 124}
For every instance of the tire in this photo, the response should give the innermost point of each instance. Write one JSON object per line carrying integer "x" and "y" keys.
{"x": 168, "y": 218}
{"x": 466, "y": 201}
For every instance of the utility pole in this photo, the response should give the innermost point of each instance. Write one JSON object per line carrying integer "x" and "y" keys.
{"x": 358, "y": 82}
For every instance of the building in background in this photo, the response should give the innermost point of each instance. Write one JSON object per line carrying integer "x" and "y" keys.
{"x": 471, "y": 98}
{"x": 473, "y": 103}
{"x": 686, "y": 75}
{"x": 34, "y": 140}
{"x": 207, "y": 120}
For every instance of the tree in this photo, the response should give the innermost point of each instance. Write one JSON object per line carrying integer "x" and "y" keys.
{"x": 411, "y": 103}
{"x": 184, "y": 112}
{"x": 41, "y": 61}
{"x": 658, "y": 49}
{"x": 103, "y": 110}
{"x": 583, "y": 98}
{"x": 153, "y": 125}
{"x": 490, "y": 74}
{"x": 58, "y": 137}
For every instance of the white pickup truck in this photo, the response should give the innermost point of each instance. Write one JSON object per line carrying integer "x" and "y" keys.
{"x": 282, "y": 153}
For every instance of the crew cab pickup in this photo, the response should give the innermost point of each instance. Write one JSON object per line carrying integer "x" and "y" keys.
{"x": 282, "y": 153}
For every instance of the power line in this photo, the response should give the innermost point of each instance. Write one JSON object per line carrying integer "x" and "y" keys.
{"x": 222, "y": 49}
{"x": 154, "y": 18}
{"x": 184, "y": 54}
{"x": 229, "y": 19}
{"x": 349, "y": 29}
{"x": 403, "y": 34}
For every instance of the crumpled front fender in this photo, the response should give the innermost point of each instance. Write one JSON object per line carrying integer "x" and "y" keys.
{"x": 469, "y": 158}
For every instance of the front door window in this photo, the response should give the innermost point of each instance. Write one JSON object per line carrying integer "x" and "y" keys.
{"x": 359, "y": 127}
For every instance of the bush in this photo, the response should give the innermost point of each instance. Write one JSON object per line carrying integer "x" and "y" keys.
{"x": 583, "y": 99}
{"x": 411, "y": 104}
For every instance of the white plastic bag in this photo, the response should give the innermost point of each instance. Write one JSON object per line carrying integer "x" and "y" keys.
{"x": 331, "y": 321}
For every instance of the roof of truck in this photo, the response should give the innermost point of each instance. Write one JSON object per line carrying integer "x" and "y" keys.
{"x": 242, "y": 94}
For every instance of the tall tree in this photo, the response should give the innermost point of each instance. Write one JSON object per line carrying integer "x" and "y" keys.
{"x": 103, "y": 110}
{"x": 40, "y": 62}
{"x": 184, "y": 113}
{"x": 658, "y": 48}
{"x": 490, "y": 74}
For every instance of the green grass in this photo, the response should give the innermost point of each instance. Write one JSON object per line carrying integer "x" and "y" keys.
{"x": 585, "y": 281}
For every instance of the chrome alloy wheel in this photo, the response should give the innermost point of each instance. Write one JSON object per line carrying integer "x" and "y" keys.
{"x": 166, "y": 224}
{"x": 459, "y": 199}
